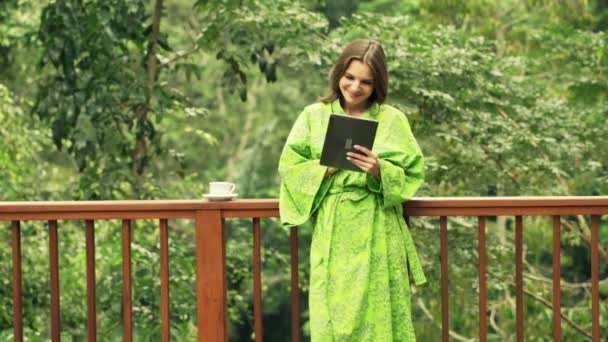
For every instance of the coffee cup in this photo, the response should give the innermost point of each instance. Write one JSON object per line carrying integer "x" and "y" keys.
{"x": 221, "y": 188}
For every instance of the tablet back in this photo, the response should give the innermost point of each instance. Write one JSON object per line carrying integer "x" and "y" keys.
{"x": 343, "y": 132}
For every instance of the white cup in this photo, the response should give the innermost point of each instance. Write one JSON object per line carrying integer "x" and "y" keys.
{"x": 221, "y": 188}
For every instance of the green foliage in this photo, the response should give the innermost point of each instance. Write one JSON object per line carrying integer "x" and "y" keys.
{"x": 481, "y": 112}
{"x": 105, "y": 112}
{"x": 95, "y": 91}
{"x": 257, "y": 32}
{"x": 23, "y": 139}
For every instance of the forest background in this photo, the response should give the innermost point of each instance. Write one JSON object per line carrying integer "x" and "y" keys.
{"x": 133, "y": 99}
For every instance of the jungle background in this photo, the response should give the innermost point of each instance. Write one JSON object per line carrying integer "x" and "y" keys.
{"x": 134, "y": 99}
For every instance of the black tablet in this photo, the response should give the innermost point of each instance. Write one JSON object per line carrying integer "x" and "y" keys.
{"x": 343, "y": 132}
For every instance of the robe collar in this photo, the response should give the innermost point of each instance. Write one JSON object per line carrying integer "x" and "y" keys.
{"x": 372, "y": 111}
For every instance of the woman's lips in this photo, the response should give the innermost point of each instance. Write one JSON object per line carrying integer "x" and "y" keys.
{"x": 352, "y": 94}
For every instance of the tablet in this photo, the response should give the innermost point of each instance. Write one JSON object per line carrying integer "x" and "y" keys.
{"x": 343, "y": 132}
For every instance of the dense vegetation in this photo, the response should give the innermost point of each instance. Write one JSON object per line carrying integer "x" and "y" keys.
{"x": 133, "y": 99}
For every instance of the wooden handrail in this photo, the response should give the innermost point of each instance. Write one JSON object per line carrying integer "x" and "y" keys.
{"x": 512, "y": 206}
{"x": 418, "y": 205}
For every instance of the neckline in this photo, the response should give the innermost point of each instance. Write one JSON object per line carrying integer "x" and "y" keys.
{"x": 336, "y": 108}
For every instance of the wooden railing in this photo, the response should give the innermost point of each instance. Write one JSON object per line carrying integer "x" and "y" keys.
{"x": 518, "y": 207}
{"x": 211, "y": 263}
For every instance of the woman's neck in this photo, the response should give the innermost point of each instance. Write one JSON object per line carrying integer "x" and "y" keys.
{"x": 355, "y": 110}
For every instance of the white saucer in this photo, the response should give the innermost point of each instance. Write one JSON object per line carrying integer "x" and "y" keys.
{"x": 218, "y": 198}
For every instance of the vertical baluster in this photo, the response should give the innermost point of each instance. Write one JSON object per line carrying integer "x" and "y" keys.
{"x": 295, "y": 302}
{"x": 257, "y": 280}
{"x": 91, "y": 297}
{"x": 54, "y": 275}
{"x": 445, "y": 323}
{"x": 519, "y": 280}
{"x": 17, "y": 306}
{"x": 557, "y": 328}
{"x": 481, "y": 238}
{"x": 211, "y": 276}
{"x": 595, "y": 279}
{"x": 126, "y": 281}
{"x": 164, "y": 281}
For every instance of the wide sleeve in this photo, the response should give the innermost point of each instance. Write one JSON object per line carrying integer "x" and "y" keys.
{"x": 303, "y": 181}
{"x": 401, "y": 164}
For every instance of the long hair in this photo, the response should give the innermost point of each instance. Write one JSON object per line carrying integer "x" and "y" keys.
{"x": 369, "y": 52}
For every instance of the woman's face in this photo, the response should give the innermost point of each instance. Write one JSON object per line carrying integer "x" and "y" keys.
{"x": 356, "y": 84}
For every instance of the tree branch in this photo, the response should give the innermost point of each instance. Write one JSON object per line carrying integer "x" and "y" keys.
{"x": 182, "y": 54}
{"x": 549, "y": 305}
{"x": 141, "y": 150}
{"x": 428, "y": 314}
{"x": 564, "y": 317}
{"x": 178, "y": 55}
{"x": 494, "y": 325}
{"x": 586, "y": 236}
{"x": 154, "y": 44}
{"x": 563, "y": 284}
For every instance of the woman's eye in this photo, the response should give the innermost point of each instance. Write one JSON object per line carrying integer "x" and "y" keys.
{"x": 349, "y": 77}
{"x": 367, "y": 82}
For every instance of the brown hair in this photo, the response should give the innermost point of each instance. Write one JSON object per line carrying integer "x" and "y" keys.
{"x": 369, "y": 52}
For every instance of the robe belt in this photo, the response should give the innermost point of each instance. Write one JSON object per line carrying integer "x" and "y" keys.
{"x": 412, "y": 257}
{"x": 355, "y": 194}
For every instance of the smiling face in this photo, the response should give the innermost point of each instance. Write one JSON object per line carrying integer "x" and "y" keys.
{"x": 356, "y": 86}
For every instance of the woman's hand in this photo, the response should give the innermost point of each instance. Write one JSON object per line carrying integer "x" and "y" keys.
{"x": 368, "y": 161}
{"x": 330, "y": 171}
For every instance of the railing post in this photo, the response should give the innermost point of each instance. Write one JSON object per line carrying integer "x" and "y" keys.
{"x": 595, "y": 279}
{"x": 54, "y": 281}
{"x": 257, "y": 280}
{"x": 164, "y": 281}
{"x": 127, "y": 292}
{"x": 91, "y": 291}
{"x": 519, "y": 278}
{"x": 445, "y": 320}
{"x": 295, "y": 288}
{"x": 17, "y": 295}
{"x": 557, "y": 328}
{"x": 483, "y": 294}
{"x": 211, "y": 276}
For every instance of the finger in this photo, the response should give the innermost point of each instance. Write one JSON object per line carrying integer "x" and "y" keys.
{"x": 364, "y": 149}
{"x": 357, "y": 157}
{"x": 362, "y": 157}
{"x": 362, "y": 165}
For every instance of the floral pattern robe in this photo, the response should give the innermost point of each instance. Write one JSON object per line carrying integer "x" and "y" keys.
{"x": 361, "y": 246}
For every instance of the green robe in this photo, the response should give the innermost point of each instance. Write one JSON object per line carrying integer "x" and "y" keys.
{"x": 361, "y": 246}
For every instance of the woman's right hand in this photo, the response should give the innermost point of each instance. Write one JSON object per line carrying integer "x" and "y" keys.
{"x": 330, "y": 171}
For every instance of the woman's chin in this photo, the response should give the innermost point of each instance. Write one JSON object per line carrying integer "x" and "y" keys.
{"x": 353, "y": 99}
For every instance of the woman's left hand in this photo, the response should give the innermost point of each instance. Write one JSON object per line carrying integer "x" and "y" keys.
{"x": 368, "y": 161}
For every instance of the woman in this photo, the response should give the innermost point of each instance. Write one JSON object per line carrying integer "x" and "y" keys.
{"x": 361, "y": 246}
